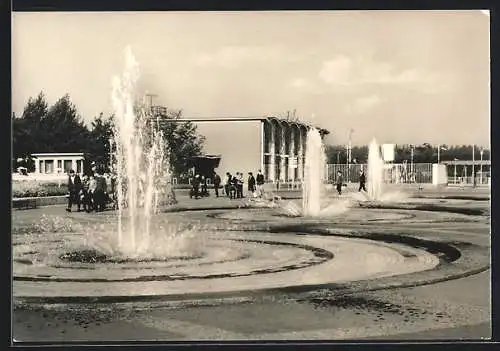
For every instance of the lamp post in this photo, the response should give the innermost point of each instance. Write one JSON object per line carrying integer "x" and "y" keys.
{"x": 473, "y": 166}
{"x": 439, "y": 152}
{"x": 411, "y": 162}
{"x": 349, "y": 148}
{"x": 481, "y": 167}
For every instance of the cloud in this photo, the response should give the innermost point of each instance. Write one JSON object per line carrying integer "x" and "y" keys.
{"x": 343, "y": 71}
{"x": 365, "y": 104}
{"x": 233, "y": 56}
{"x": 336, "y": 70}
{"x": 298, "y": 83}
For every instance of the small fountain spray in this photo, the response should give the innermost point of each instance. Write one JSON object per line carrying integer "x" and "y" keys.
{"x": 375, "y": 176}
{"x": 314, "y": 174}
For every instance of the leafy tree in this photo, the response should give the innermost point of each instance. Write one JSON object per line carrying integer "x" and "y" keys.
{"x": 338, "y": 154}
{"x": 62, "y": 129}
{"x": 98, "y": 146}
{"x": 43, "y": 129}
{"x": 26, "y": 132}
{"x": 182, "y": 140}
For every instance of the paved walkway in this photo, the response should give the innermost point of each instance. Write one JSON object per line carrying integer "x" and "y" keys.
{"x": 439, "y": 311}
{"x": 456, "y": 309}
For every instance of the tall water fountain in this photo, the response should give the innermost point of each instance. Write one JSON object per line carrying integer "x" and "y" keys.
{"x": 142, "y": 167}
{"x": 314, "y": 173}
{"x": 375, "y": 176}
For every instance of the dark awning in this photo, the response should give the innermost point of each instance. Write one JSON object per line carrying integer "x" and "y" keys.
{"x": 213, "y": 160}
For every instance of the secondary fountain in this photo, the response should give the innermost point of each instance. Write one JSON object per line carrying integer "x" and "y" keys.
{"x": 375, "y": 180}
{"x": 375, "y": 176}
{"x": 313, "y": 186}
{"x": 314, "y": 171}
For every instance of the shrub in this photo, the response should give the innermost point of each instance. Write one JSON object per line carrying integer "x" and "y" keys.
{"x": 36, "y": 189}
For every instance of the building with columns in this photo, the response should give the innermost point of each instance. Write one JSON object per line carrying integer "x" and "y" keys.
{"x": 58, "y": 163}
{"x": 246, "y": 144}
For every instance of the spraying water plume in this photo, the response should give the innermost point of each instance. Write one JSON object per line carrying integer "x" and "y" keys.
{"x": 375, "y": 176}
{"x": 314, "y": 173}
{"x": 140, "y": 162}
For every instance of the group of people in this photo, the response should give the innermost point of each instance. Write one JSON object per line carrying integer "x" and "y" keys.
{"x": 232, "y": 185}
{"x": 90, "y": 191}
{"x": 339, "y": 182}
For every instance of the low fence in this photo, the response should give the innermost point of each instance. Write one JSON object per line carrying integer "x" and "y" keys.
{"x": 396, "y": 173}
{"x": 469, "y": 181}
{"x": 401, "y": 173}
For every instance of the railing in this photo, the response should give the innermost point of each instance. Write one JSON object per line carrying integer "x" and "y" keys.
{"x": 397, "y": 173}
{"x": 469, "y": 181}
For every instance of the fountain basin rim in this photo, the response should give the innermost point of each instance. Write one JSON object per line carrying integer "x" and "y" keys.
{"x": 341, "y": 289}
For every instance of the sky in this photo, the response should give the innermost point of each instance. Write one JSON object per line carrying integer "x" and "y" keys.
{"x": 399, "y": 76}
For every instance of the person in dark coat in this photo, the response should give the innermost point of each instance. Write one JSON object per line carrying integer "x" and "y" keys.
{"x": 74, "y": 187}
{"x": 362, "y": 181}
{"x": 195, "y": 186}
{"x": 217, "y": 181}
{"x": 260, "y": 183}
{"x": 239, "y": 185}
{"x": 85, "y": 196}
{"x": 100, "y": 193}
{"x": 204, "y": 186}
{"x": 251, "y": 183}
{"x": 339, "y": 182}
{"x": 227, "y": 184}
{"x": 233, "y": 191}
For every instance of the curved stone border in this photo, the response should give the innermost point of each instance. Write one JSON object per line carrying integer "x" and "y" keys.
{"x": 426, "y": 207}
{"x": 453, "y": 266}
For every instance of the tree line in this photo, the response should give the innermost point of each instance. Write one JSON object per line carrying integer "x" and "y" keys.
{"x": 60, "y": 128}
{"x": 424, "y": 153}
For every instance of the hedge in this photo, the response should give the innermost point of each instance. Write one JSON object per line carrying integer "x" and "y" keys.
{"x": 31, "y": 188}
{"x": 37, "y": 189}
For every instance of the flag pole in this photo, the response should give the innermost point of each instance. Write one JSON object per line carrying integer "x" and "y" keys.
{"x": 473, "y": 164}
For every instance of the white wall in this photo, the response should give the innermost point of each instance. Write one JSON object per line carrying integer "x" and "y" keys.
{"x": 238, "y": 143}
{"x": 439, "y": 174}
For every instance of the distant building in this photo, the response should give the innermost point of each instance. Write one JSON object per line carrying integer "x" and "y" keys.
{"x": 246, "y": 144}
{"x": 58, "y": 163}
{"x": 158, "y": 110}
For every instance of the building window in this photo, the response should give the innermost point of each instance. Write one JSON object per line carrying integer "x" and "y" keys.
{"x": 68, "y": 164}
{"x": 79, "y": 166}
{"x": 267, "y": 137}
{"x": 286, "y": 177}
{"x": 49, "y": 166}
{"x": 267, "y": 161}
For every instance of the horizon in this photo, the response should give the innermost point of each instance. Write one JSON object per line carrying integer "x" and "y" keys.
{"x": 393, "y": 75}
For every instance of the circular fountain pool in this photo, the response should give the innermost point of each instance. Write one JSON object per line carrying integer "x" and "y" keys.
{"x": 261, "y": 252}
{"x": 226, "y": 261}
